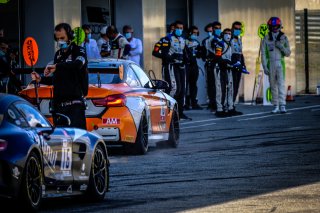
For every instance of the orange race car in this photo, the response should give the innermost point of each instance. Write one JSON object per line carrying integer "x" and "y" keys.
{"x": 124, "y": 106}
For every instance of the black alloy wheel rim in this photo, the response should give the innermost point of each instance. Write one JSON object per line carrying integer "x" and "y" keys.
{"x": 34, "y": 181}
{"x": 99, "y": 171}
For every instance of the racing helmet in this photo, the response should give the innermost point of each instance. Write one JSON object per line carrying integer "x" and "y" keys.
{"x": 274, "y": 24}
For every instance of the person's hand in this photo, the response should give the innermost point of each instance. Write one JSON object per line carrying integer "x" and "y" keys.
{"x": 279, "y": 45}
{"x": 266, "y": 71}
{"x": 35, "y": 77}
{"x": 49, "y": 69}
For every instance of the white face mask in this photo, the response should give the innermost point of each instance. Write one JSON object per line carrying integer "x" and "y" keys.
{"x": 227, "y": 37}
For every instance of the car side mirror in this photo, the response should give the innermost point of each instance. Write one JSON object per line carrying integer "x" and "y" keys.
{"x": 45, "y": 132}
{"x": 62, "y": 120}
{"x": 160, "y": 84}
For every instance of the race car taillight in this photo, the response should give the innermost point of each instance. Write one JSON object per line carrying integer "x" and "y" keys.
{"x": 117, "y": 100}
{"x": 3, "y": 145}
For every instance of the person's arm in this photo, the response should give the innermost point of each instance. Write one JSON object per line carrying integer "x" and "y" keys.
{"x": 157, "y": 49}
{"x": 138, "y": 49}
{"x": 264, "y": 56}
{"x": 95, "y": 48}
{"x": 283, "y": 46}
{"x": 199, "y": 51}
{"x": 99, "y": 44}
{"x": 41, "y": 78}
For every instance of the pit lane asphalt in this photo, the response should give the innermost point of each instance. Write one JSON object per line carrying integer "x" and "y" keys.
{"x": 256, "y": 162}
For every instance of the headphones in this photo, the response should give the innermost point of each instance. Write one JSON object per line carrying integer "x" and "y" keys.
{"x": 67, "y": 28}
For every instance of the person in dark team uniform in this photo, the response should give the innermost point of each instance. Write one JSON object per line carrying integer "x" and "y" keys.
{"x": 69, "y": 77}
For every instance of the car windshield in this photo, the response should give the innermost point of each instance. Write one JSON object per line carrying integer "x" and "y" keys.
{"x": 103, "y": 76}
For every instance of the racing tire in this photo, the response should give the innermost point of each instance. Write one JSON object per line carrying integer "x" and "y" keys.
{"x": 31, "y": 185}
{"x": 99, "y": 175}
{"x": 140, "y": 147}
{"x": 174, "y": 131}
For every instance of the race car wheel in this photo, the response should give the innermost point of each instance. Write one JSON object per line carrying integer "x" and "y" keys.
{"x": 31, "y": 194}
{"x": 174, "y": 131}
{"x": 99, "y": 175}
{"x": 141, "y": 144}
{"x": 140, "y": 147}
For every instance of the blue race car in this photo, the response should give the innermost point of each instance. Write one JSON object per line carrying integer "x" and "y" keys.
{"x": 38, "y": 160}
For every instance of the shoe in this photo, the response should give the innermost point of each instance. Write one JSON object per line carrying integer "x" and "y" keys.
{"x": 275, "y": 110}
{"x": 186, "y": 107}
{"x": 234, "y": 112}
{"x": 283, "y": 109}
{"x": 184, "y": 117}
{"x": 197, "y": 107}
{"x": 221, "y": 114}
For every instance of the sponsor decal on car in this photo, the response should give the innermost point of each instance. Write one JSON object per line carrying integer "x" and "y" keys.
{"x": 110, "y": 121}
{"x": 83, "y": 169}
{"x": 66, "y": 158}
{"x": 15, "y": 172}
{"x": 49, "y": 155}
{"x": 69, "y": 190}
{"x": 129, "y": 138}
{"x": 83, "y": 187}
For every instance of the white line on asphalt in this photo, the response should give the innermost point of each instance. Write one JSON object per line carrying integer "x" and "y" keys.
{"x": 252, "y": 114}
{"x": 314, "y": 110}
{"x": 266, "y": 116}
{"x": 189, "y": 127}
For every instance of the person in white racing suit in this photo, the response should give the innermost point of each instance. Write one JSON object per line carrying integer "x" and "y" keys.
{"x": 275, "y": 46}
{"x": 223, "y": 75}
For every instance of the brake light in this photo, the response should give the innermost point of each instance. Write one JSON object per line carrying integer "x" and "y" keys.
{"x": 3, "y": 145}
{"x": 117, "y": 100}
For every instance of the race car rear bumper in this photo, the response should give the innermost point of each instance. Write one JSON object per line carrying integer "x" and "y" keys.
{"x": 108, "y": 133}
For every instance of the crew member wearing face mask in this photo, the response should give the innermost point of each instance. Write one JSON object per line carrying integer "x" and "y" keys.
{"x": 120, "y": 47}
{"x": 90, "y": 44}
{"x": 237, "y": 58}
{"x": 192, "y": 69}
{"x": 223, "y": 75}
{"x": 208, "y": 56}
{"x": 275, "y": 46}
{"x": 103, "y": 43}
{"x": 212, "y": 63}
{"x": 135, "y": 44}
{"x": 161, "y": 47}
{"x": 69, "y": 77}
{"x": 173, "y": 50}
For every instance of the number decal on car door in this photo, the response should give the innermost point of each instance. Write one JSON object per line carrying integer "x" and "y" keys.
{"x": 66, "y": 158}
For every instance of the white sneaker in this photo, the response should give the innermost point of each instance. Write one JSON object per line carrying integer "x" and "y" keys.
{"x": 283, "y": 109}
{"x": 275, "y": 110}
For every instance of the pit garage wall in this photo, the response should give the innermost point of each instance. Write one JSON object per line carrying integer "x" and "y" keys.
{"x": 38, "y": 23}
{"x": 253, "y": 13}
{"x": 204, "y": 12}
{"x": 154, "y": 22}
